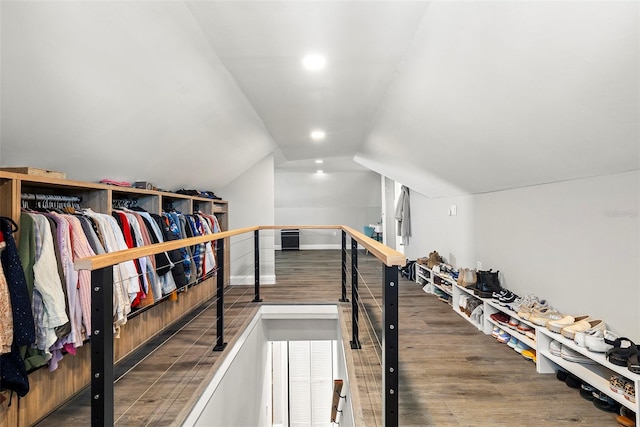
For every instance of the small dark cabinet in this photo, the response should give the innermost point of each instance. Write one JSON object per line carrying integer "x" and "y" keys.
{"x": 290, "y": 239}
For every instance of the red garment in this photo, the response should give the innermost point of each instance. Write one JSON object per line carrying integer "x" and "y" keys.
{"x": 128, "y": 238}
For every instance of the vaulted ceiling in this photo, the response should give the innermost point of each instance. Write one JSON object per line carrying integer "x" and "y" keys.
{"x": 447, "y": 97}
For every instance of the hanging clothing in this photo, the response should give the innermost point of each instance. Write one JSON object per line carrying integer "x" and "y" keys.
{"x": 13, "y": 375}
{"x": 47, "y": 282}
{"x": 6, "y": 316}
{"x": 403, "y": 216}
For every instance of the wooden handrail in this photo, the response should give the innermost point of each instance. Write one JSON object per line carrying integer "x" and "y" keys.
{"x": 386, "y": 255}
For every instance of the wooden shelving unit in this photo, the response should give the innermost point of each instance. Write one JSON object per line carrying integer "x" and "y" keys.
{"x": 48, "y": 390}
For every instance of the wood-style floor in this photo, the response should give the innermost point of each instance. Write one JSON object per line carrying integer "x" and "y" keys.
{"x": 450, "y": 373}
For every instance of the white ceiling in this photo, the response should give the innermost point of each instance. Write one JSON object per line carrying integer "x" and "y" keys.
{"x": 446, "y": 97}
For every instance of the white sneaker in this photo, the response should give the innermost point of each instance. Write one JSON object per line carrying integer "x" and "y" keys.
{"x": 599, "y": 341}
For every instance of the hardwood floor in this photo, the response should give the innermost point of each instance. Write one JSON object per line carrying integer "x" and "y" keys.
{"x": 450, "y": 373}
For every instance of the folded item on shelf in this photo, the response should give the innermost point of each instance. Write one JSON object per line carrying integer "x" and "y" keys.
{"x": 116, "y": 183}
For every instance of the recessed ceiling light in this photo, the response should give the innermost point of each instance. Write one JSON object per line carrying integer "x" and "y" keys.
{"x": 314, "y": 61}
{"x": 317, "y": 135}
{"x": 319, "y": 161}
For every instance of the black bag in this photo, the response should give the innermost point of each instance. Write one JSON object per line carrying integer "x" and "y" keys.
{"x": 409, "y": 270}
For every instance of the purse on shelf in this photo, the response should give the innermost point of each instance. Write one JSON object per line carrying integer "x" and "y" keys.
{"x": 619, "y": 355}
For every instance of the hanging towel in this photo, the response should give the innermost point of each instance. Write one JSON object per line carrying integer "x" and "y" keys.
{"x": 403, "y": 216}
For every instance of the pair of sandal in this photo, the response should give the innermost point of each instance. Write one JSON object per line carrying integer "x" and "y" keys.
{"x": 621, "y": 356}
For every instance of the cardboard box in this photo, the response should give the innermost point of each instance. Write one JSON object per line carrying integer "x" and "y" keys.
{"x": 36, "y": 172}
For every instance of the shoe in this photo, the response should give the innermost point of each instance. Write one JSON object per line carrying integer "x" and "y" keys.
{"x": 605, "y": 403}
{"x": 626, "y": 412}
{"x": 555, "y": 348}
{"x": 583, "y": 325}
{"x": 561, "y": 375}
{"x": 507, "y": 299}
{"x": 498, "y": 294}
{"x": 573, "y": 356}
{"x": 629, "y": 392}
{"x": 529, "y": 355}
{"x": 520, "y": 347}
{"x": 572, "y": 381}
{"x": 557, "y": 325}
{"x": 624, "y": 421}
{"x": 487, "y": 284}
{"x": 526, "y": 310}
{"x": 513, "y": 322}
{"x": 545, "y": 315}
{"x": 500, "y": 317}
{"x": 527, "y": 330}
{"x": 503, "y": 337}
{"x": 512, "y": 342}
{"x": 598, "y": 340}
{"x": 586, "y": 391}
{"x": 531, "y": 334}
{"x": 495, "y": 332}
{"x": 617, "y": 384}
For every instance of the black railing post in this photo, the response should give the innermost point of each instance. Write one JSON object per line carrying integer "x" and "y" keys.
{"x": 256, "y": 267}
{"x": 220, "y": 344}
{"x": 355, "y": 342}
{"x": 390, "y": 346}
{"x": 102, "y": 347}
{"x": 344, "y": 298}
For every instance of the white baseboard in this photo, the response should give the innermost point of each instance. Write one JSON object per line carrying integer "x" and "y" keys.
{"x": 265, "y": 279}
{"x": 314, "y": 247}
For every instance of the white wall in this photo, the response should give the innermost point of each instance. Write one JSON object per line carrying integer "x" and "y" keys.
{"x": 251, "y": 203}
{"x": 575, "y": 243}
{"x": 241, "y": 391}
{"x": 345, "y": 198}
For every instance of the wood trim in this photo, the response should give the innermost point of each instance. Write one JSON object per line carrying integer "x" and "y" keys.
{"x": 386, "y": 255}
{"x": 113, "y": 258}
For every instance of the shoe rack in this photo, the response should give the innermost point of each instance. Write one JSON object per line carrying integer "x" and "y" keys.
{"x": 597, "y": 374}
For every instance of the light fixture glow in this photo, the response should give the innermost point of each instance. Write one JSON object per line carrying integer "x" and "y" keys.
{"x": 317, "y": 135}
{"x": 319, "y": 161}
{"x": 320, "y": 171}
{"x": 314, "y": 61}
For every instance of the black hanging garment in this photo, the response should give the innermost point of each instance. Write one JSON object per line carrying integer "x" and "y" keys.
{"x": 13, "y": 374}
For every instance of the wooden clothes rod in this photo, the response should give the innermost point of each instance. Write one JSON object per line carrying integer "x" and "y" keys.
{"x": 50, "y": 198}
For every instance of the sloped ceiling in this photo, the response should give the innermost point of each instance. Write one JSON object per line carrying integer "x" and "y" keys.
{"x": 446, "y": 97}
{"x": 122, "y": 90}
{"x": 497, "y": 95}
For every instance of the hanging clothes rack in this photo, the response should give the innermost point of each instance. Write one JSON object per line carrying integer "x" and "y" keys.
{"x": 123, "y": 203}
{"x": 47, "y": 201}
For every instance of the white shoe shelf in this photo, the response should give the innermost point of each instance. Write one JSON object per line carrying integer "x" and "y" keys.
{"x": 597, "y": 374}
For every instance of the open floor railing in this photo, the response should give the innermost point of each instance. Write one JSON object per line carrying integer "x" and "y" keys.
{"x": 102, "y": 279}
